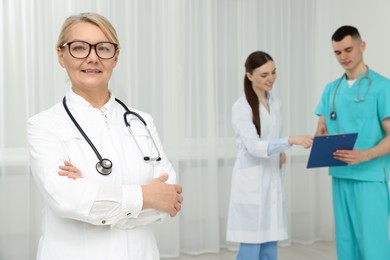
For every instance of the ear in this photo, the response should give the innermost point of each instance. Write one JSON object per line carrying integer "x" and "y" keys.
{"x": 116, "y": 57}
{"x": 60, "y": 56}
{"x": 249, "y": 75}
{"x": 363, "y": 46}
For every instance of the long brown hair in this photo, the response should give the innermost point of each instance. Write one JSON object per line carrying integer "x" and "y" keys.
{"x": 254, "y": 60}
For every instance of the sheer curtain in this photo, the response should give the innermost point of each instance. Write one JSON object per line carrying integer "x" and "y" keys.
{"x": 182, "y": 61}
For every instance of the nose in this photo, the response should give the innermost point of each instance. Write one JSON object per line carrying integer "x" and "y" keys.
{"x": 92, "y": 57}
{"x": 271, "y": 78}
{"x": 343, "y": 55}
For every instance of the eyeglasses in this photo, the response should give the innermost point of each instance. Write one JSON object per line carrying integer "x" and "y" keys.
{"x": 81, "y": 49}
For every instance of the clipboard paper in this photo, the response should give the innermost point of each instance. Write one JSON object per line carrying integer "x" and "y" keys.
{"x": 321, "y": 154}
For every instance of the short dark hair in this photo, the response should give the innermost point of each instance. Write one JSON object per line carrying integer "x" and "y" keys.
{"x": 344, "y": 31}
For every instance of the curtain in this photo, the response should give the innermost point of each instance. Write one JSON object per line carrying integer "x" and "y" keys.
{"x": 183, "y": 62}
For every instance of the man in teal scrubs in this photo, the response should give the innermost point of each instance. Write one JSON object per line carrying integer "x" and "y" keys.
{"x": 359, "y": 102}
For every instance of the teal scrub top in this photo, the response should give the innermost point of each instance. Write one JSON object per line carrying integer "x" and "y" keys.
{"x": 363, "y": 117}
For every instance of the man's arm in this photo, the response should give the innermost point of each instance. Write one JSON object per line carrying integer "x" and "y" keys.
{"x": 321, "y": 127}
{"x": 356, "y": 156}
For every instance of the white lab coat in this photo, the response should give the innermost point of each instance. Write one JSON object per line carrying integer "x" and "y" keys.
{"x": 257, "y": 211}
{"x": 95, "y": 217}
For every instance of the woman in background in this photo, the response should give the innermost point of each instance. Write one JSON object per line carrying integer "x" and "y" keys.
{"x": 257, "y": 214}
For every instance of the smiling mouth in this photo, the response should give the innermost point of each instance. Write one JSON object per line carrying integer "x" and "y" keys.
{"x": 91, "y": 71}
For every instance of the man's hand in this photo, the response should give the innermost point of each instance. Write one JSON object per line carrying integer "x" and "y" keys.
{"x": 352, "y": 157}
{"x": 162, "y": 196}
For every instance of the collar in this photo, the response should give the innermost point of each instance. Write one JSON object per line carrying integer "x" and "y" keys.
{"x": 74, "y": 99}
{"x": 270, "y": 97}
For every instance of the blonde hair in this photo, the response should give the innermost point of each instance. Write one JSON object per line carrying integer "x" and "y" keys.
{"x": 92, "y": 18}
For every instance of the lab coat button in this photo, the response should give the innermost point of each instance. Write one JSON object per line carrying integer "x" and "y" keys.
{"x": 103, "y": 222}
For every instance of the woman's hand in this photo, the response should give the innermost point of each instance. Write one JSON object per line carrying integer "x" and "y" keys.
{"x": 305, "y": 140}
{"x": 162, "y": 196}
{"x": 69, "y": 170}
{"x": 282, "y": 160}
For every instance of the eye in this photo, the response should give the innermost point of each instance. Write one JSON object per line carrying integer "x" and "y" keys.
{"x": 78, "y": 47}
{"x": 103, "y": 48}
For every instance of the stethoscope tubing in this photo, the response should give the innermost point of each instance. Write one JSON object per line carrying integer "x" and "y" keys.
{"x": 81, "y": 130}
{"x": 127, "y": 123}
{"x": 333, "y": 115}
{"x": 104, "y": 166}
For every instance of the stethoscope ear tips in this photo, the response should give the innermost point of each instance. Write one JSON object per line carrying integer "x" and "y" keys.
{"x": 104, "y": 166}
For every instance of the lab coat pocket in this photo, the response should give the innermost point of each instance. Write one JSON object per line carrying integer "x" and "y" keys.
{"x": 141, "y": 138}
{"x": 137, "y": 145}
{"x": 69, "y": 135}
{"x": 248, "y": 185}
{"x": 283, "y": 172}
{"x": 75, "y": 144}
{"x": 80, "y": 153}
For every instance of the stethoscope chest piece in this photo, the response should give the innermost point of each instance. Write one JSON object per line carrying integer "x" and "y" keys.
{"x": 333, "y": 115}
{"x": 104, "y": 166}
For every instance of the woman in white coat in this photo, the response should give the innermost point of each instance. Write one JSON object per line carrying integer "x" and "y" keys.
{"x": 257, "y": 217}
{"x": 99, "y": 165}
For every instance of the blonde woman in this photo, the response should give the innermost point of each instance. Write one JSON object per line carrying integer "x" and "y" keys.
{"x": 114, "y": 178}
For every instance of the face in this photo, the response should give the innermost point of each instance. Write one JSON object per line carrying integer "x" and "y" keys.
{"x": 349, "y": 52}
{"x": 263, "y": 77}
{"x": 90, "y": 73}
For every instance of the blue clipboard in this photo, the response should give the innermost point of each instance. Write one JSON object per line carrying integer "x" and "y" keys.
{"x": 321, "y": 154}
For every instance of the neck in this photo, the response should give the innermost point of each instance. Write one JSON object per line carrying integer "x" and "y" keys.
{"x": 96, "y": 98}
{"x": 261, "y": 94}
{"x": 356, "y": 72}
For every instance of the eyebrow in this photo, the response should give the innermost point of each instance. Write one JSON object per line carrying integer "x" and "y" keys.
{"x": 79, "y": 40}
{"x": 268, "y": 72}
{"x": 345, "y": 49}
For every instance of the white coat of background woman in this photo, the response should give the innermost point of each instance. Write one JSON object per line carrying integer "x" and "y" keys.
{"x": 98, "y": 211}
{"x": 257, "y": 214}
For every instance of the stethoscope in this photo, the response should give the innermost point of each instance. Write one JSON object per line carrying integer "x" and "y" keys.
{"x": 104, "y": 165}
{"x": 333, "y": 114}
